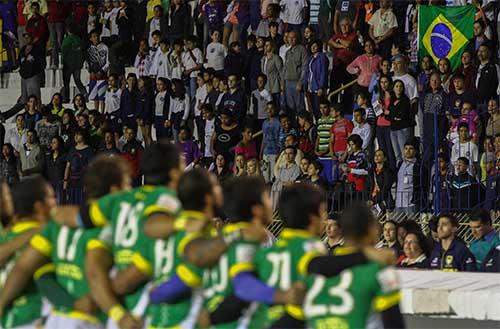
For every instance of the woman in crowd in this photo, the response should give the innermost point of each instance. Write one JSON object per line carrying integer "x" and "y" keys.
{"x": 179, "y": 108}
{"x": 54, "y": 167}
{"x": 253, "y": 168}
{"x": 55, "y": 106}
{"x": 314, "y": 171}
{"x": 221, "y": 168}
{"x": 379, "y": 183}
{"x": 79, "y": 105}
{"x": 144, "y": 108}
{"x": 416, "y": 250}
{"x": 8, "y": 165}
{"x": 240, "y": 166}
{"x": 401, "y": 118}
{"x": 246, "y": 147}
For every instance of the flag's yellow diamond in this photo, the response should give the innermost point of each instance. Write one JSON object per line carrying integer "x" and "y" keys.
{"x": 442, "y": 39}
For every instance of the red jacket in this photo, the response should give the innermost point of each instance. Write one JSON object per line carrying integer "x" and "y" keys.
{"x": 37, "y": 27}
{"x": 57, "y": 11}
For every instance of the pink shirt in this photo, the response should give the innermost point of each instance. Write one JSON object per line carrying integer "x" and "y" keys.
{"x": 365, "y": 66}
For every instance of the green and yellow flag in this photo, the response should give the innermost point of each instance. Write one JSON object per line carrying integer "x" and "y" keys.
{"x": 444, "y": 31}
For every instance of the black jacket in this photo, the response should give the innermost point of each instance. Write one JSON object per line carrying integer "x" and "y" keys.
{"x": 385, "y": 179}
{"x": 31, "y": 62}
{"x": 180, "y": 22}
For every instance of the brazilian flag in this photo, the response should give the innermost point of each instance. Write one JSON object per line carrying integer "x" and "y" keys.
{"x": 444, "y": 31}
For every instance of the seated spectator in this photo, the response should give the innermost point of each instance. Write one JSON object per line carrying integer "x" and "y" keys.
{"x": 334, "y": 237}
{"x": 253, "y": 168}
{"x": 450, "y": 253}
{"x": 246, "y": 146}
{"x": 240, "y": 166}
{"x": 390, "y": 239}
{"x": 47, "y": 128}
{"x": 416, "y": 250}
{"x": 485, "y": 237}
{"x": 304, "y": 170}
{"x": 270, "y": 142}
{"x": 220, "y": 168}
{"x": 379, "y": 183}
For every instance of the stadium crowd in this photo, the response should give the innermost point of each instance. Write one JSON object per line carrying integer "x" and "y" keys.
{"x": 145, "y": 199}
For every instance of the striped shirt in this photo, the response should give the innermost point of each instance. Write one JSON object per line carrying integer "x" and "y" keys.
{"x": 324, "y": 125}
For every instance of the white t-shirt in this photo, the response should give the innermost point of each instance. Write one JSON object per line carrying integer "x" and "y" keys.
{"x": 283, "y": 50}
{"x": 112, "y": 100}
{"x": 294, "y": 11}
{"x": 216, "y": 52}
{"x": 160, "y": 103}
{"x": 160, "y": 67}
{"x": 209, "y": 131}
{"x": 410, "y": 85}
{"x": 383, "y": 22}
{"x": 154, "y": 25}
{"x": 192, "y": 59}
{"x": 175, "y": 66}
{"x": 201, "y": 95}
{"x": 468, "y": 150}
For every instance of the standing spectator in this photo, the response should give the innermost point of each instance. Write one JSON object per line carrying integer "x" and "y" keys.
{"x": 485, "y": 237}
{"x": 128, "y": 101}
{"x": 339, "y": 133}
{"x": 402, "y": 120}
{"x": 465, "y": 147}
{"x": 226, "y": 136}
{"x": 356, "y": 167}
{"x": 144, "y": 108}
{"x": 54, "y": 166}
{"x": 160, "y": 67}
{"x": 294, "y": 14}
{"x": 487, "y": 79}
{"x": 412, "y": 181}
{"x": 451, "y": 254}
{"x": 180, "y": 20}
{"x": 47, "y": 128}
{"x": 92, "y": 19}
{"x": 322, "y": 147}
{"x": 72, "y": 59}
{"x": 216, "y": 53}
{"x": 207, "y": 112}
{"x": 464, "y": 188}
{"x": 125, "y": 23}
{"x": 30, "y": 157}
{"x": 251, "y": 62}
{"x": 479, "y": 38}
{"x": 108, "y": 144}
{"x": 381, "y": 107}
{"x": 16, "y": 136}
{"x": 307, "y": 132}
{"x": 400, "y": 65}
{"x": 442, "y": 181}
{"x": 188, "y": 147}
{"x": 347, "y": 10}
{"x": 109, "y": 33}
{"x": 362, "y": 129}
{"x": 235, "y": 100}
{"x": 112, "y": 102}
{"x": 31, "y": 60}
{"x": 383, "y": 26}
{"x": 435, "y": 103}
{"x": 161, "y": 109}
{"x": 468, "y": 69}
{"x": 76, "y": 163}
{"x": 272, "y": 67}
{"x": 270, "y": 146}
{"x": 192, "y": 61}
{"x": 213, "y": 12}
{"x": 98, "y": 65}
{"x": 458, "y": 95}
{"x": 156, "y": 23}
{"x": 316, "y": 76}
{"x": 493, "y": 124}
{"x": 8, "y": 165}
{"x": 260, "y": 97}
{"x": 344, "y": 44}
{"x": 270, "y": 22}
{"x": 365, "y": 66}
{"x": 294, "y": 74}
{"x": 379, "y": 183}
{"x": 37, "y": 26}
{"x": 246, "y": 146}
{"x": 57, "y": 11}
{"x": 143, "y": 60}
{"x": 444, "y": 70}
{"x": 132, "y": 151}
{"x": 233, "y": 62}
{"x": 286, "y": 175}
{"x": 179, "y": 108}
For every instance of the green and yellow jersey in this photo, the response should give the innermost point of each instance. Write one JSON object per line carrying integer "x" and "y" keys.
{"x": 217, "y": 281}
{"x": 67, "y": 247}
{"x": 279, "y": 266}
{"x": 123, "y": 215}
{"x": 346, "y": 300}
{"x": 27, "y": 307}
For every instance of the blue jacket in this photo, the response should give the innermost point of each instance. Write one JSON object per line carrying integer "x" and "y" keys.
{"x": 316, "y": 76}
{"x": 457, "y": 258}
{"x": 127, "y": 104}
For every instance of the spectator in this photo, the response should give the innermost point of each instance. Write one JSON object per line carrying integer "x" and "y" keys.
{"x": 161, "y": 109}
{"x": 487, "y": 160}
{"x": 270, "y": 20}
{"x": 293, "y": 75}
{"x": 442, "y": 181}
{"x": 260, "y": 97}
{"x": 345, "y": 11}
{"x": 72, "y": 59}
{"x": 37, "y": 27}
{"x": 379, "y": 183}
{"x": 356, "y": 167}
{"x": 233, "y": 62}
{"x": 57, "y": 11}
{"x": 108, "y": 145}
{"x": 240, "y": 166}
{"x": 365, "y": 66}
{"x": 109, "y": 33}
{"x": 30, "y": 156}
{"x": 270, "y": 146}
{"x": 339, "y": 133}
{"x": 98, "y": 65}
{"x": 31, "y": 66}
{"x": 316, "y": 77}
{"x": 132, "y": 151}
{"x": 180, "y": 20}
{"x": 383, "y": 26}
{"x": 401, "y": 118}
{"x": 464, "y": 188}
{"x": 485, "y": 237}
{"x": 272, "y": 67}
{"x": 285, "y": 130}
{"x": 400, "y": 65}
{"x": 487, "y": 79}
{"x": 291, "y": 140}
{"x": 251, "y": 62}
{"x": 76, "y": 163}
{"x": 286, "y": 175}
{"x": 493, "y": 124}
{"x": 8, "y": 165}
{"x": 216, "y": 53}
{"x": 412, "y": 181}
{"x": 47, "y": 128}
{"x": 334, "y": 237}
{"x": 322, "y": 146}
{"x": 208, "y": 128}
{"x": 54, "y": 166}
{"x": 128, "y": 101}
{"x": 390, "y": 239}
{"x": 383, "y": 124}
{"x": 465, "y": 148}
{"x": 468, "y": 69}
{"x": 144, "y": 108}
{"x": 143, "y": 60}
{"x": 226, "y": 136}
{"x": 156, "y": 23}
{"x": 246, "y": 146}
{"x": 451, "y": 254}
{"x": 479, "y": 37}
{"x": 160, "y": 66}
{"x": 192, "y": 61}
{"x": 235, "y": 100}
{"x": 16, "y": 136}
{"x": 362, "y": 128}
{"x": 221, "y": 168}
{"x": 307, "y": 132}
{"x": 423, "y": 78}
{"x": 293, "y": 14}
{"x": 314, "y": 177}
{"x": 55, "y": 106}
{"x": 416, "y": 251}
{"x": 179, "y": 108}
{"x": 125, "y": 23}
{"x": 213, "y": 12}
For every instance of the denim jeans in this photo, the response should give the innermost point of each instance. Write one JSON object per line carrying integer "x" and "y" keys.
{"x": 384, "y": 143}
{"x": 294, "y": 99}
{"x": 398, "y": 140}
{"x": 78, "y": 82}
{"x": 56, "y": 31}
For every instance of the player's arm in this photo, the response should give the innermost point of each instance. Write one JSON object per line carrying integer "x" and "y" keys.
{"x": 387, "y": 297}
{"x": 66, "y": 215}
{"x": 7, "y": 250}
{"x": 24, "y": 269}
{"x": 169, "y": 291}
{"x": 159, "y": 225}
{"x": 129, "y": 279}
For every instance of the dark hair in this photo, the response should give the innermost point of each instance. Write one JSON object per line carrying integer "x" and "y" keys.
{"x": 360, "y": 110}
{"x": 423, "y": 242}
{"x": 453, "y": 219}
{"x": 262, "y": 75}
{"x": 187, "y": 130}
{"x": 356, "y": 221}
{"x": 84, "y": 133}
{"x": 337, "y": 107}
{"x": 318, "y": 43}
{"x": 317, "y": 165}
{"x": 464, "y": 160}
{"x": 433, "y": 224}
{"x": 298, "y": 202}
{"x": 180, "y": 90}
{"x": 356, "y": 139}
{"x": 207, "y": 107}
{"x": 307, "y": 116}
{"x": 252, "y": 38}
{"x": 193, "y": 187}
{"x": 241, "y": 195}
{"x": 157, "y": 161}
{"x": 103, "y": 173}
{"x": 26, "y": 193}
{"x": 444, "y": 156}
{"x": 481, "y": 215}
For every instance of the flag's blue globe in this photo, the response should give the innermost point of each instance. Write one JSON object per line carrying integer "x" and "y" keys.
{"x": 441, "y": 40}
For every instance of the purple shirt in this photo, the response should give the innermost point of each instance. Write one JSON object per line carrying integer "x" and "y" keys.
{"x": 189, "y": 150}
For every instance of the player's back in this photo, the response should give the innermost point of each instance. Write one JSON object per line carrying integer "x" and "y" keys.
{"x": 346, "y": 300}
{"x": 27, "y": 307}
